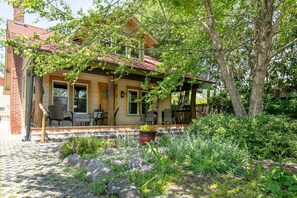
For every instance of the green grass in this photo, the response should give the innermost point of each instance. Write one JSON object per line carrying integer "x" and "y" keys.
{"x": 80, "y": 174}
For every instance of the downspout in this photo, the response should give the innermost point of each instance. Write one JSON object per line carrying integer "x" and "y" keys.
{"x": 29, "y": 110}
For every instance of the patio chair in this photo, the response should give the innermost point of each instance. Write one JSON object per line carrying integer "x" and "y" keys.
{"x": 149, "y": 117}
{"x": 56, "y": 113}
{"x": 167, "y": 116}
{"x": 98, "y": 116}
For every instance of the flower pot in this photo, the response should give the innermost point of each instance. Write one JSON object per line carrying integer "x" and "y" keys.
{"x": 145, "y": 137}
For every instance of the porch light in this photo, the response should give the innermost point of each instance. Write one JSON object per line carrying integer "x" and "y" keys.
{"x": 123, "y": 94}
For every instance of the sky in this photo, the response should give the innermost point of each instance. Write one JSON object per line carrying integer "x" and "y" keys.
{"x": 6, "y": 12}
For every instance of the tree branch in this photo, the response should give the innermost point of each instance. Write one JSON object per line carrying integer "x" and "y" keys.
{"x": 164, "y": 14}
{"x": 283, "y": 48}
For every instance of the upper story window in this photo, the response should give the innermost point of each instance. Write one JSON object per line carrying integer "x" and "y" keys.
{"x": 60, "y": 94}
{"x": 80, "y": 99}
{"x": 125, "y": 50}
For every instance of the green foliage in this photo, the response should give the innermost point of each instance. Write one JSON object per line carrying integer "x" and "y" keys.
{"x": 98, "y": 186}
{"x": 278, "y": 182}
{"x": 147, "y": 128}
{"x": 221, "y": 101}
{"x": 264, "y": 136}
{"x": 277, "y": 106}
{"x": 84, "y": 146}
{"x": 205, "y": 156}
{"x": 81, "y": 174}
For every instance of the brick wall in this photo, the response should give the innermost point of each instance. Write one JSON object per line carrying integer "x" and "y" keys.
{"x": 15, "y": 95}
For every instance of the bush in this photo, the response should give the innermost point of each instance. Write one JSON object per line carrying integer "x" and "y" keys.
{"x": 205, "y": 156}
{"x": 84, "y": 146}
{"x": 265, "y": 136}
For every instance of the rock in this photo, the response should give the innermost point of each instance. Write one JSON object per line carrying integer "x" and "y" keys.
{"x": 122, "y": 188}
{"x": 81, "y": 163}
{"x": 71, "y": 159}
{"x": 96, "y": 169}
{"x": 75, "y": 160}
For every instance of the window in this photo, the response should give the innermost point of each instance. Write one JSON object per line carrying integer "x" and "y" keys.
{"x": 134, "y": 53}
{"x": 2, "y": 108}
{"x": 132, "y": 104}
{"x": 80, "y": 98}
{"x": 134, "y": 108}
{"x": 60, "y": 94}
{"x": 144, "y": 105}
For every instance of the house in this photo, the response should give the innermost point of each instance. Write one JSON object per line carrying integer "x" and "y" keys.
{"x": 4, "y": 101}
{"x": 95, "y": 89}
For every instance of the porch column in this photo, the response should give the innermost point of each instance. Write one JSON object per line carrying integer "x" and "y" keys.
{"x": 193, "y": 102}
{"x": 159, "y": 112}
{"x": 110, "y": 101}
{"x": 38, "y": 83}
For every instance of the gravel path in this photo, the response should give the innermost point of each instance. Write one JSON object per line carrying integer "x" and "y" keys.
{"x": 29, "y": 169}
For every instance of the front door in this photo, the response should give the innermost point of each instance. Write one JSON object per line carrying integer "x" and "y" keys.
{"x": 103, "y": 96}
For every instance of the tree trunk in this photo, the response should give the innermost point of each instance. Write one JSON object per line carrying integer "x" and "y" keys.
{"x": 219, "y": 56}
{"x": 37, "y": 117}
{"x": 263, "y": 38}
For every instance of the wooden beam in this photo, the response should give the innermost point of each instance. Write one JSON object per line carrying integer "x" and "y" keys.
{"x": 38, "y": 83}
{"x": 111, "y": 101}
{"x": 159, "y": 109}
{"x": 193, "y": 102}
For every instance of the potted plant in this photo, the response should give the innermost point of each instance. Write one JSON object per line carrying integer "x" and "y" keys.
{"x": 147, "y": 133}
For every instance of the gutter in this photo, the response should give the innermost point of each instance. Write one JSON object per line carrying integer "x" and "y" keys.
{"x": 29, "y": 110}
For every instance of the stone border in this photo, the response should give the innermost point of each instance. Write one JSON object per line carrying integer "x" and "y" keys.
{"x": 96, "y": 169}
{"x": 104, "y": 134}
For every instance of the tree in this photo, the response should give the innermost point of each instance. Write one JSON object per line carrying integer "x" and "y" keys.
{"x": 244, "y": 34}
{"x": 242, "y": 38}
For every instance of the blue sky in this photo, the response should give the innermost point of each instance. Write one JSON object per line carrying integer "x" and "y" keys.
{"x": 6, "y": 12}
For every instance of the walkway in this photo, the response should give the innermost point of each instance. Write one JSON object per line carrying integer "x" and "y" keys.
{"x": 29, "y": 169}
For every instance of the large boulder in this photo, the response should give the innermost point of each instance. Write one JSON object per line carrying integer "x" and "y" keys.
{"x": 96, "y": 169}
{"x": 122, "y": 188}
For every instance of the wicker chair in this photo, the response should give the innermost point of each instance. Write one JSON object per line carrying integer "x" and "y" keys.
{"x": 56, "y": 113}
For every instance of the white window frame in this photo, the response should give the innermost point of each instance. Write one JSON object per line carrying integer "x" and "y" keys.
{"x": 141, "y": 101}
{"x": 87, "y": 110}
{"x": 135, "y": 90}
{"x": 60, "y": 81}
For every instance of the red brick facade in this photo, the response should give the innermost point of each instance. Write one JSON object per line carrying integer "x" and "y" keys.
{"x": 15, "y": 95}
{"x": 16, "y": 83}
{"x": 18, "y": 15}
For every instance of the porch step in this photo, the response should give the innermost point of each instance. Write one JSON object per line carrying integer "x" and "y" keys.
{"x": 104, "y": 134}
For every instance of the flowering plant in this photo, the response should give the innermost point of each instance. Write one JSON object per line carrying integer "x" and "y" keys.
{"x": 147, "y": 128}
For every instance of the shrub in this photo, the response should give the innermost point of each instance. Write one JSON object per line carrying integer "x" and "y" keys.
{"x": 84, "y": 146}
{"x": 264, "y": 136}
{"x": 205, "y": 156}
{"x": 278, "y": 183}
